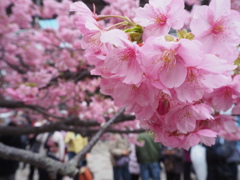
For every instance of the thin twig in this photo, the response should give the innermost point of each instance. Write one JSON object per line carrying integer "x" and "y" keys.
{"x": 96, "y": 137}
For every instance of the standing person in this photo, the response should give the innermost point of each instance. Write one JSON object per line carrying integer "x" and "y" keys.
{"x": 234, "y": 158}
{"x": 8, "y": 168}
{"x": 187, "y": 165}
{"x": 119, "y": 151}
{"x": 53, "y": 147}
{"x": 173, "y": 160}
{"x": 198, "y": 158}
{"x": 34, "y": 146}
{"x": 134, "y": 167}
{"x": 148, "y": 157}
{"x": 217, "y": 165}
{"x": 75, "y": 143}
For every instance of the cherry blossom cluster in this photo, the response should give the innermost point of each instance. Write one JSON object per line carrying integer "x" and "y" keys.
{"x": 174, "y": 84}
{"x": 41, "y": 67}
{"x": 235, "y": 4}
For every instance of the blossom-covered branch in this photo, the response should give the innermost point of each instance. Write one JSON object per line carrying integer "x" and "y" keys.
{"x": 171, "y": 83}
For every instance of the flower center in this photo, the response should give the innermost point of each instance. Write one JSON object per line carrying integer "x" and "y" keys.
{"x": 187, "y": 115}
{"x": 126, "y": 55}
{"x": 160, "y": 19}
{"x": 228, "y": 92}
{"x": 94, "y": 39}
{"x": 169, "y": 59}
{"x": 218, "y": 28}
{"x": 192, "y": 74}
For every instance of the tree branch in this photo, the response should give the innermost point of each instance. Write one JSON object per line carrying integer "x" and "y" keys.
{"x": 56, "y": 126}
{"x": 2, "y": 52}
{"x": 63, "y": 124}
{"x": 67, "y": 75}
{"x": 38, "y": 160}
{"x": 96, "y": 137}
{"x": 19, "y": 104}
{"x": 22, "y": 62}
{"x": 52, "y": 166}
{"x": 125, "y": 131}
{"x": 15, "y": 67}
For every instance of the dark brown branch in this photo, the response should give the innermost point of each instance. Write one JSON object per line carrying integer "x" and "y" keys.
{"x": 74, "y": 124}
{"x": 89, "y": 132}
{"x": 67, "y": 75}
{"x": 126, "y": 118}
{"x": 16, "y": 68}
{"x": 125, "y": 131}
{"x": 22, "y": 62}
{"x": 2, "y": 52}
{"x": 60, "y": 125}
{"x": 84, "y": 73}
{"x": 38, "y": 160}
{"x": 19, "y": 104}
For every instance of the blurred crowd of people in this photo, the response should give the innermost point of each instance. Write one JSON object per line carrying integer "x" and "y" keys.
{"x": 149, "y": 160}
{"x": 58, "y": 145}
{"x": 144, "y": 159}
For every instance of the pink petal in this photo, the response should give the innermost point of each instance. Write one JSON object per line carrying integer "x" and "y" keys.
{"x": 174, "y": 77}
{"x": 207, "y": 132}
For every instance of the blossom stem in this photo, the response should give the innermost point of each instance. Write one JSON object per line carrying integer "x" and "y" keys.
{"x": 118, "y": 25}
{"x": 100, "y": 17}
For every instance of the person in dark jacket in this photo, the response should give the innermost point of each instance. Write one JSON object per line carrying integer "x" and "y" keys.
{"x": 234, "y": 158}
{"x": 187, "y": 165}
{"x": 173, "y": 160}
{"x": 148, "y": 157}
{"x": 8, "y": 168}
{"x": 217, "y": 166}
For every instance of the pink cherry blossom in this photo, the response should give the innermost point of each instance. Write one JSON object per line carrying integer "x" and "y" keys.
{"x": 235, "y": 4}
{"x": 205, "y": 136}
{"x": 236, "y": 108}
{"x": 204, "y": 78}
{"x": 22, "y": 13}
{"x": 89, "y": 27}
{"x": 158, "y": 17}
{"x": 178, "y": 139}
{"x": 24, "y": 93}
{"x": 217, "y": 26}
{"x": 222, "y": 98}
{"x": 192, "y": 2}
{"x": 50, "y": 9}
{"x": 184, "y": 117}
{"x": 121, "y": 8}
{"x": 41, "y": 78}
{"x": 122, "y": 61}
{"x": 167, "y": 62}
{"x": 140, "y": 99}
{"x": 225, "y": 126}
{"x": 226, "y": 121}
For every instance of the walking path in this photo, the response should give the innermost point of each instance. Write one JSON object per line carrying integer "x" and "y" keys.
{"x": 99, "y": 162}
